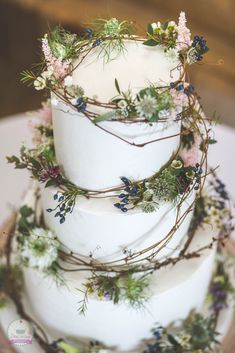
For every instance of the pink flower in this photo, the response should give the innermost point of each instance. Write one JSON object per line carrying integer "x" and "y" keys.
{"x": 43, "y": 117}
{"x": 191, "y": 156}
{"x": 58, "y": 67}
{"x": 184, "y": 35}
{"x": 44, "y": 114}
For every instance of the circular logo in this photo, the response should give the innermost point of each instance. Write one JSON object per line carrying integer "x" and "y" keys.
{"x": 20, "y": 333}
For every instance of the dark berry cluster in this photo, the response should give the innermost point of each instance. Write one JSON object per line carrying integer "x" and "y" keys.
{"x": 65, "y": 205}
{"x": 199, "y": 43}
{"x": 89, "y": 33}
{"x": 220, "y": 188}
{"x": 180, "y": 87}
{"x": 80, "y": 104}
{"x": 197, "y": 173}
{"x": 219, "y": 296}
{"x": 156, "y": 346}
{"x": 97, "y": 42}
{"x": 126, "y": 198}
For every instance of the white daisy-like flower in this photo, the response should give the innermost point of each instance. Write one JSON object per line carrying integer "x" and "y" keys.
{"x": 172, "y": 54}
{"x": 68, "y": 81}
{"x": 40, "y": 249}
{"x": 39, "y": 83}
{"x": 147, "y": 106}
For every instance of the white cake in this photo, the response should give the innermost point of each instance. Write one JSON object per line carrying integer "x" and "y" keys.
{"x": 105, "y": 231}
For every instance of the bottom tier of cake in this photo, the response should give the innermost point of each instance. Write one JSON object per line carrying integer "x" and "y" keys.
{"x": 175, "y": 292}
{"x": 10, "y": 315}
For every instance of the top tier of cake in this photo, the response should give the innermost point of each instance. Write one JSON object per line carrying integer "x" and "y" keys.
{"x": 95, "y": 159}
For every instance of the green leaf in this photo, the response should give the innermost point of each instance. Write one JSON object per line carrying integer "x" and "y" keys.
{"x": 26, "y": 211}
{"x": 21, "y": 166}
{"x": 212, "y": 141}
{"x": 13, "y": 159}
{"x": 104, "y": 117}
{"x": 150, "y": 29}
{"x": 154, "y": 117}
{"x": 34, "y": 163}
{"x": 173, "y": 341}
{"x": 165, "y": 25}
{"x": 51, "y": 182}
{"x": 117, "y": 86}
{"x": 150, "y": 42}
{"x": 67, "y": 348}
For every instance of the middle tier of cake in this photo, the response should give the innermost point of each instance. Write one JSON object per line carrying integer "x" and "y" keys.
{"x": 96, "y": 228}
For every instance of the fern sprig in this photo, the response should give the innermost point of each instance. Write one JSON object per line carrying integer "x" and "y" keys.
{"x": 27, "y": 77}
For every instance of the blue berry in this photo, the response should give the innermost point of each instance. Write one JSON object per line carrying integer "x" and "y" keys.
{"x": 97, "y": 42}
{"x": 118, "y": 205}
{"x": 125, "y": 181}
{"x": 180, "y": 87}
{"x": 124, "y": 209}
{"x": 81, "y": 107}
{"x": 62, "y": 220}
{"x": 49, "y": 210}
{"x": 121, "y": 196}
{"x": 55, "y": 196}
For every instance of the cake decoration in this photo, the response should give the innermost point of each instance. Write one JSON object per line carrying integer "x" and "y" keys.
{"x": 125, "y": 227}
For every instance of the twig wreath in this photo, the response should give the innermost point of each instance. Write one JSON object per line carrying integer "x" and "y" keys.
{"x": 150, "y": 105}
{"x": 175, "y": 338}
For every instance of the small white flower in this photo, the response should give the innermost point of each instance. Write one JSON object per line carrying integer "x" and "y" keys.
{"x": 73, "y": 101}
{"x": 122, "y": 104}
{"x": 172, "y": 24}
{"x": 147, "y": 106}
{"x": 68, "y": 81}
{"x": 172, "y": 54}
{"x": 47, "y": 74}
{"x": 40, "y": 249}
{"x": 156, "y": 25}
{"x": 54, "y": 102}
{"x": 163, "y": 113}
{"x": 39, "y": 83}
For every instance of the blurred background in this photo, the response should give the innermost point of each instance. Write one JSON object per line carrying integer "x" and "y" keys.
{"x": 22, "y": 22}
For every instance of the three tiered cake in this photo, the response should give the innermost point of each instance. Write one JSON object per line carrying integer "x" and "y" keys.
{"x": 119, "y": 234}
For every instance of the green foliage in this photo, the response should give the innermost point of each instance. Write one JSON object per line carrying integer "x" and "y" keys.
{"x": 27, "y": 77}
{"x": 125, "y": 287}
{"x": 35, "y": 159}
{"x": 165, "y": 188}
{"x": 26, "y": 221}
{"x": 112, "y": 27}
{"x": 112, "y": 34}
{"x": 164, "y": 34}
{"x": 68, "y": 348}
{"x": 202, "y": 332}
{"x": 197, "y": 334}
{"x": 62, "y": 43}
{"x": 105, "y": 117}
